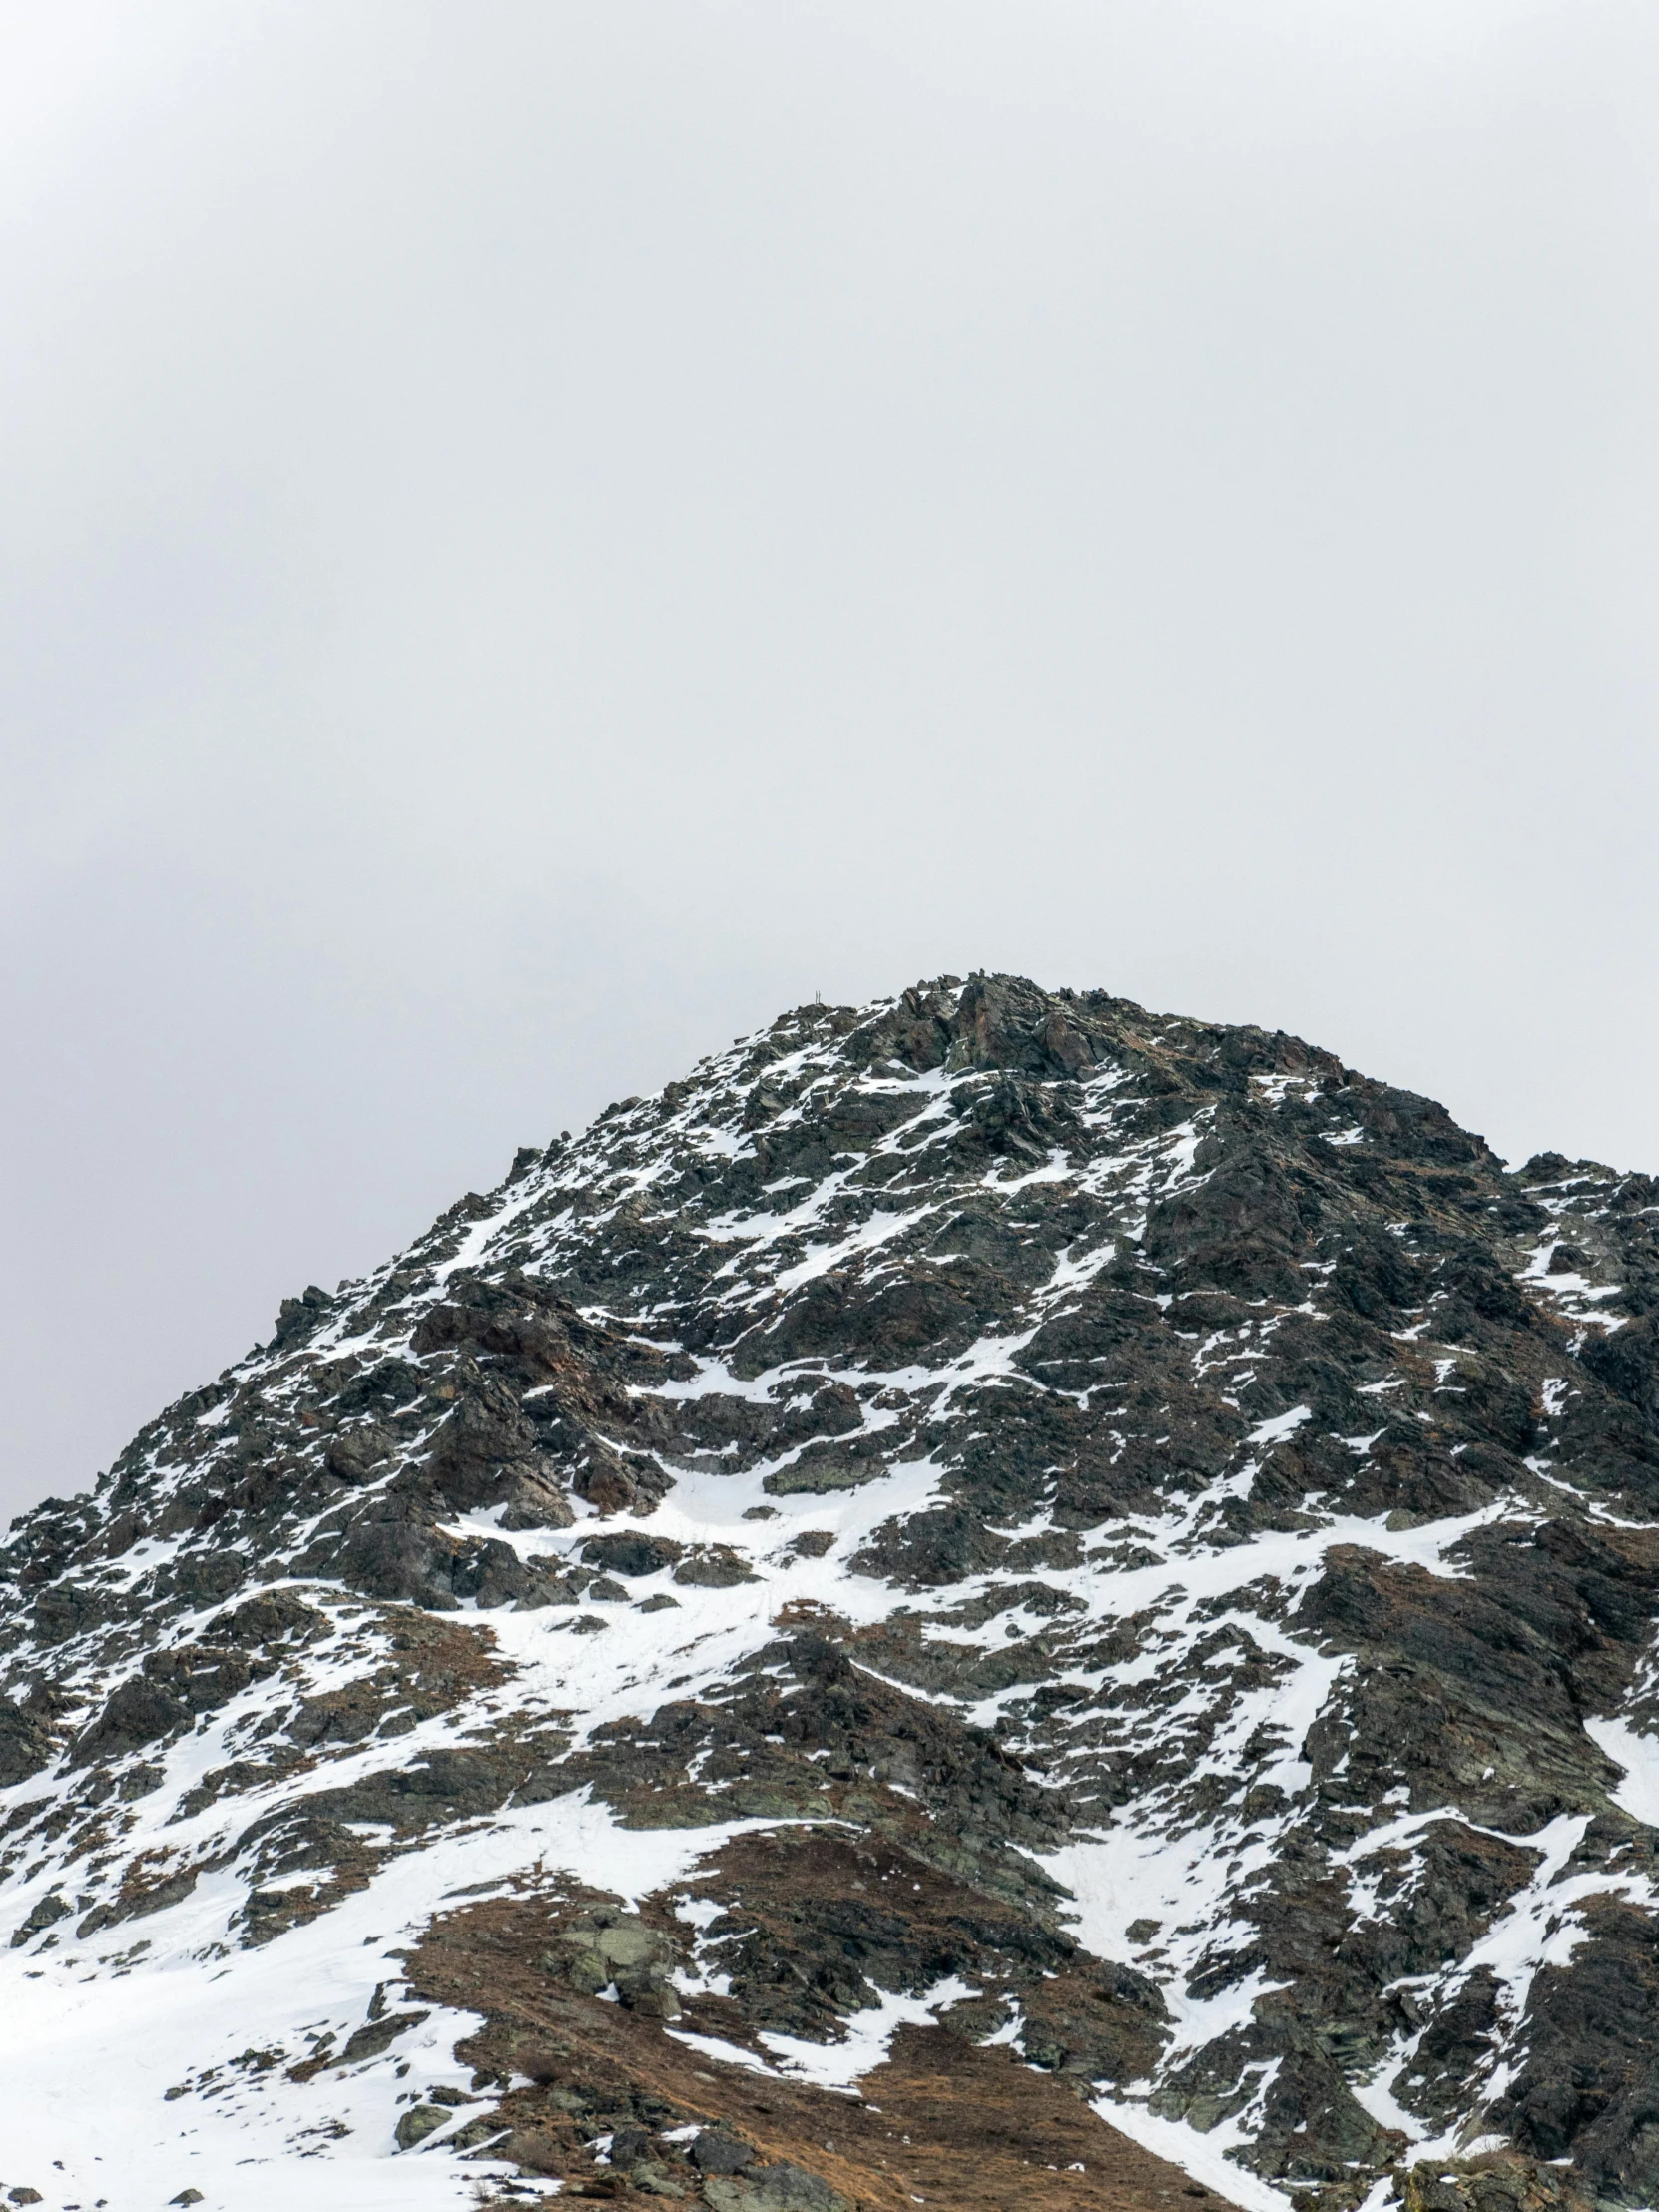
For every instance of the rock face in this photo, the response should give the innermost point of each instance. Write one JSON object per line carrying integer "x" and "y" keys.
{"x": 990, "y": 1574}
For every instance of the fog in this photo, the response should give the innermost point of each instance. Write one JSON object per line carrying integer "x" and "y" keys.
{"x": 536, "y": 535}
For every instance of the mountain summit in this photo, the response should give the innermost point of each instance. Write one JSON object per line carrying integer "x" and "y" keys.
{"x": 995, "y": 1601}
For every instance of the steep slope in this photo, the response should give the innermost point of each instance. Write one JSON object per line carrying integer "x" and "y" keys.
{"x": 987, "y": 1566}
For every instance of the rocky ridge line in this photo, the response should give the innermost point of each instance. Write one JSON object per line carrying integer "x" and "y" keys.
{"x": 994, "y": 1523}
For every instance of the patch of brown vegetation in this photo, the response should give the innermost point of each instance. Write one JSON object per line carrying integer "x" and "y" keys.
{"x": 945, "y": 2120}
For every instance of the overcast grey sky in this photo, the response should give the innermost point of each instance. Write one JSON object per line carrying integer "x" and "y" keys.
{"x": 535, "y": 535}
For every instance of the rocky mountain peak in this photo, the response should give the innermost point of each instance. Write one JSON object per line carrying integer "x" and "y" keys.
{"x": 991, "y": 1575}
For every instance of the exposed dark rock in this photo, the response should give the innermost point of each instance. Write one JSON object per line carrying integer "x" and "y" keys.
{"x": 1164, "y": 1535}
{"x": 25, "y": 1744}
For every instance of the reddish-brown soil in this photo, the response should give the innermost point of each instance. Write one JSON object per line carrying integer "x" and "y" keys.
{"x": 945, "y": 2122}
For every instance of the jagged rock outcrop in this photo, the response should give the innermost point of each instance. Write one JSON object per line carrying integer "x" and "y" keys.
{"x": 987, "y": 1550}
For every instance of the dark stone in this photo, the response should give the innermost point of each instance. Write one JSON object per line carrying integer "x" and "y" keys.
{"x": 25, "y": 1744}
{"x": 296, "y": 1319}
{"x": 44, "y": 1915}
{"x": 370, "y": 2041}
{"x": 137, "y": 1713}
{"x": 631, "y": 1554}
{"x": 715, "y": 2152}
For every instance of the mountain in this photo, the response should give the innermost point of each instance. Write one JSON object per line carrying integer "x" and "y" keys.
{"x": 996, "y": 1600}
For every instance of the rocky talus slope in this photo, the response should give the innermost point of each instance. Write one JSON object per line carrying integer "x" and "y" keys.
{"x": 994, "y": 1601}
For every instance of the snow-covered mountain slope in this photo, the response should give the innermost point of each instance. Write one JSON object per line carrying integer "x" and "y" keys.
{"x": 987, "y": 1566}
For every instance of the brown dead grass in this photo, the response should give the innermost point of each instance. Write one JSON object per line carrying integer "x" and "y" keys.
{"x": 945, "y": 2121}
